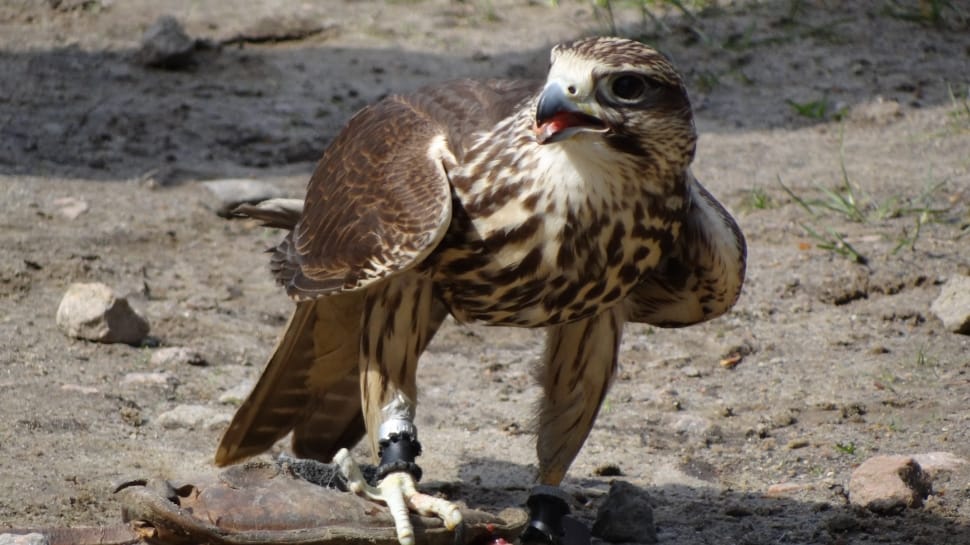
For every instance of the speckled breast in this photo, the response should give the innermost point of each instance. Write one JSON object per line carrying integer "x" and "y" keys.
{"x": 547, "y": 269}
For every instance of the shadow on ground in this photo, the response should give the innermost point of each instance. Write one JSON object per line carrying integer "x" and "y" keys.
{"x": 240, "y": 110}
{"x": 690, "y": 515}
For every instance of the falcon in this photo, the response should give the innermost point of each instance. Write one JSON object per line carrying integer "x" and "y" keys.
{"x": 566, "y": 204}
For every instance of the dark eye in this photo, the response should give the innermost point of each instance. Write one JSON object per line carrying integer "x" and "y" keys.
{"x": 629, "y": 87}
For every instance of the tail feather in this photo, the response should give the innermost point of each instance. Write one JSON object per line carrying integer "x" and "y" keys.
{"x": 304, "y": 386}
{"x": 335, "y": 422}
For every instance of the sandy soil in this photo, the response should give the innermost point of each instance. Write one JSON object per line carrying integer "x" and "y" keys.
{"x": 842, "y": 360}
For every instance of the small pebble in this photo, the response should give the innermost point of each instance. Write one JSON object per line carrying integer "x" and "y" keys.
{"x": 93, "y": 312}
{"x": 608, "y": 470}
{"x": 952, "y": 306}
{"x": 176, "y": 355}
{"x": 155, "y": 379}
{"x": 784, "y": 489}
{"x": 87, "y": 390}
{"x": 165, "y": 44}
{"x": 237, "y": 394}
{"x": 691, "y": 372}
{"x": 70, "y": 207}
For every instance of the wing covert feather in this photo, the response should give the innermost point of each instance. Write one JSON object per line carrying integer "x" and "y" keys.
{"x": 379, "y": 200}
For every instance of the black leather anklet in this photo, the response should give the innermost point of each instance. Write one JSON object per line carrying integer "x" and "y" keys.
{"x": 397, "y": 453}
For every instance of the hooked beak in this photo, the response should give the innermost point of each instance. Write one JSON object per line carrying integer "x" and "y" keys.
{"x": 559, "y": 117}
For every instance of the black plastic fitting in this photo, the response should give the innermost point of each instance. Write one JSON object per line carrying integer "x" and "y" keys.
{"x": 397, "y": 453}
{"x": 546, "y": 513}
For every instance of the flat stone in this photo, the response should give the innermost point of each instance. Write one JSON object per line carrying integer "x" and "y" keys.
{"x": 176, "y": 355}
{"x": 94, "y": 312}
{"x": 70, "y": 207}
{"x": 79, "y": 388}
{"x": 165, "y": 44}
{"x": 785, "y": 489}
{"x": 952, "y": 307}
{"x": 888, "y": 484}
{"x": 24, "y": 539}
{"x": 230, "y": 193}
{"x": 193, "y": 417}
{"x": 626, "y": 515}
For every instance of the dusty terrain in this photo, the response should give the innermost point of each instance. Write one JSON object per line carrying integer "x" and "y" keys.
{"x": 841, "y": 360}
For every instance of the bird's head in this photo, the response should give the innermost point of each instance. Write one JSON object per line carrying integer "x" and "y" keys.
{"x": 621, "y": 91}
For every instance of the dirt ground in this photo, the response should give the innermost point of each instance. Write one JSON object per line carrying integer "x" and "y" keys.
{"x": 842, "y": 360}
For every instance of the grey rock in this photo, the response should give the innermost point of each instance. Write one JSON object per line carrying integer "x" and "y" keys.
{"x": 952, "y": 307}
{"x": 176, "y": 355}
{"x": 625, "y": 515}
{"x": 689, "y": 424}
{"x": 231, "y": 193}
{"x": 888, "y": 484}
{"x": 165, "y": 45}
{"x": 237, "y": 394}
{"x": 692, "y": 372}
{"x": 192, "y": 417}
{"x": 24, "y": 539}
{"x": 92, "y": 311}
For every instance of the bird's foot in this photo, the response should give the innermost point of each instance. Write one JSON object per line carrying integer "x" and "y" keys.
{"x": 398, "y": 491}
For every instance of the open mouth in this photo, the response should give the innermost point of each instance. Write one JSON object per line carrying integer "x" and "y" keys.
{"x": 564, "y": 124}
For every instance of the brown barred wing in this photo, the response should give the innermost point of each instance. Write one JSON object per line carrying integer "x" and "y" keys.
{"x": 380, "y": 199}
{"x": 377, "y": 204}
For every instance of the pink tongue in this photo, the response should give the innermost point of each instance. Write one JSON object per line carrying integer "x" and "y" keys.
{"x": 563, "y": 120}
{"x": 559, "y": 123}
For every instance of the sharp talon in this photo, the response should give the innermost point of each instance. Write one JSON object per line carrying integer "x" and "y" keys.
{"x": 398, "y": 491}
{"x": 453, "y": 519}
